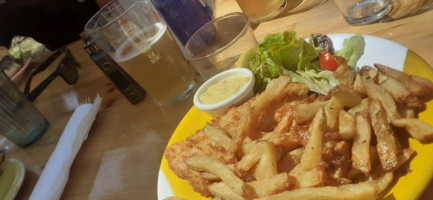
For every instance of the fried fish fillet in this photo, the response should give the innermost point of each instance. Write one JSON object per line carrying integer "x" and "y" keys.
{"x": 236, "y": 122}
{"x": 196, "y": 145}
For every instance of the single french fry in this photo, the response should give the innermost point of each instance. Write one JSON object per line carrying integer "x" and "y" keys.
{"x": 397, "y": 90}
{"x": 358, "y": 191}
{"x": 221, "y": 190}
{"x": 376, "y": 92}
{"x": 402, "y": 158}
{"x": 272, "y": 185}
{"x": 373, "y": 73}
{"x": 201, "y": 163}
{"x": 306, "y": 112}
{"x": 285, "y": 123}
{"x": 267, "y": 166}
{"x": 250, "y": 159}
{"x": 386, "y": 141}
{"x": 244, "y": 126}
{"x": 289, "y": 141}
{"x": 241, "y": 129}
{"x": 346, "y": 125}
{"x": 272, "y": 92}
{"x": 418, "y": 129}
{"x": 374, "y": 160}
{"x": 210, "y": 176}
{"x": 346, "y": 96}
{"x": 313, "y": 151}
{"x": 361, "y": 143}
{"x": 290, "y": 160}
{"x": 344, "y": 74}
{"x": 360, "y": 107}
{"x": 406, "y": 79}
{"x": 307, "y": 172}
{"x": 308, "y": 178}
{"x": 332, "y": 109}
{"x": 218, "y": 135}
{"x": 406, "y": 112}
{"x": 368, "y": 71}
{"x": 359, "y": 86}
{"x": 384, "y": 181}
{"x": 425, "y": 84}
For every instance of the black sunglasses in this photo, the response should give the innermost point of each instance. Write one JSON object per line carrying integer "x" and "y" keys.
{"x": 66, "y": 69}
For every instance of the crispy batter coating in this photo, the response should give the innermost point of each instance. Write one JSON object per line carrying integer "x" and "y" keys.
{"x": 196, "y": 145}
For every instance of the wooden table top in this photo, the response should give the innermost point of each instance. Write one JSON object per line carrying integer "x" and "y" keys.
{"x": 121, "y": 157}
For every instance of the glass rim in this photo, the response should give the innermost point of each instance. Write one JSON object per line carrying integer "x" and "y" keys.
{"x": 244, "y": 29}
{"x": 97, "y": 15}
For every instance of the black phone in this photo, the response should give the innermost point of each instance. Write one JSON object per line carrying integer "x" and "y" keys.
{"x": 120, "y": 78}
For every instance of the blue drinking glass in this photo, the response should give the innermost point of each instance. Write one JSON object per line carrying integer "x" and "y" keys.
{"x": 184, "y": 17}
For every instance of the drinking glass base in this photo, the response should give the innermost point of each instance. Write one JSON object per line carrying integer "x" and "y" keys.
{"x": 34, "y": 134}
{"x": 367, "y": 13}
{"x": 181, "y": 97}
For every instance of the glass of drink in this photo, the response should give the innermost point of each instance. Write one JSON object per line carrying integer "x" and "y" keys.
{"x": 20, "y": 121}
{"x": 359, "y": 12}
{"x": 216, "y": 46}
{"x": 260, "y": 11}
{"x": 297, "y": 6}
{"x": 184, "y": 17}
{"x": 135, "y": 36}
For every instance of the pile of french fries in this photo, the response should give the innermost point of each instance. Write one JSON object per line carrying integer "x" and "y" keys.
{"x": 290, "y": 144}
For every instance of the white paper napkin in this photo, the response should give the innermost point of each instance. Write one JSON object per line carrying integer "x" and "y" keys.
{"x": 56, "y": 172}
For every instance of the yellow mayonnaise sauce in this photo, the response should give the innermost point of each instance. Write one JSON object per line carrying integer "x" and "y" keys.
{"x": 223, "y": 89}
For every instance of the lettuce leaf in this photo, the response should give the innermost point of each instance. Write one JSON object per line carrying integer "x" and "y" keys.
{"x": 352, "y": 50}
{"x": 288, "y": 54}
{"x": 282, "y": 54}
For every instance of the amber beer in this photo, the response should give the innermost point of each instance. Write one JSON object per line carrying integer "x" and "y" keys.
{"x": 261, "y": 10}
{"x": 158, "y": 66}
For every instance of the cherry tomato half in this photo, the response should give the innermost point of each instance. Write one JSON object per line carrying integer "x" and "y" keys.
{"x": 327, "y": 61}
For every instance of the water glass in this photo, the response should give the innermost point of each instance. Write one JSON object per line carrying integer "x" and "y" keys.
{"x": 135, "y": 36}
{"x": 360, "y": 12}
{"x": 20, "y": 121}
{"x": 218, "y": 45}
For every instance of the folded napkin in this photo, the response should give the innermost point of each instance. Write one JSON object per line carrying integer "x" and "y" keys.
{"x": 56, "y": 172}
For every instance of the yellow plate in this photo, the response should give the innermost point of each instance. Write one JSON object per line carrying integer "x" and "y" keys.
{"x": 377, "y": 50}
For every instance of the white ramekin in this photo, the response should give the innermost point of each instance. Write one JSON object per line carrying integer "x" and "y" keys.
{"x": 240, "y": 97}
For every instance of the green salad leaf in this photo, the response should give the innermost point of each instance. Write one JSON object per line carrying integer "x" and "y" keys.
{"x": 289, "y": 54}
{"x": 353, "y": 49}
{"x": 280, "y": 54}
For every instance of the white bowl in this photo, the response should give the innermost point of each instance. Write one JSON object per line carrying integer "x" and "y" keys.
{"x": 238, "y": 98}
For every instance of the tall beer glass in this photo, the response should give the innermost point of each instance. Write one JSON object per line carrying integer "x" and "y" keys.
{"x": 133, "y": 34}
